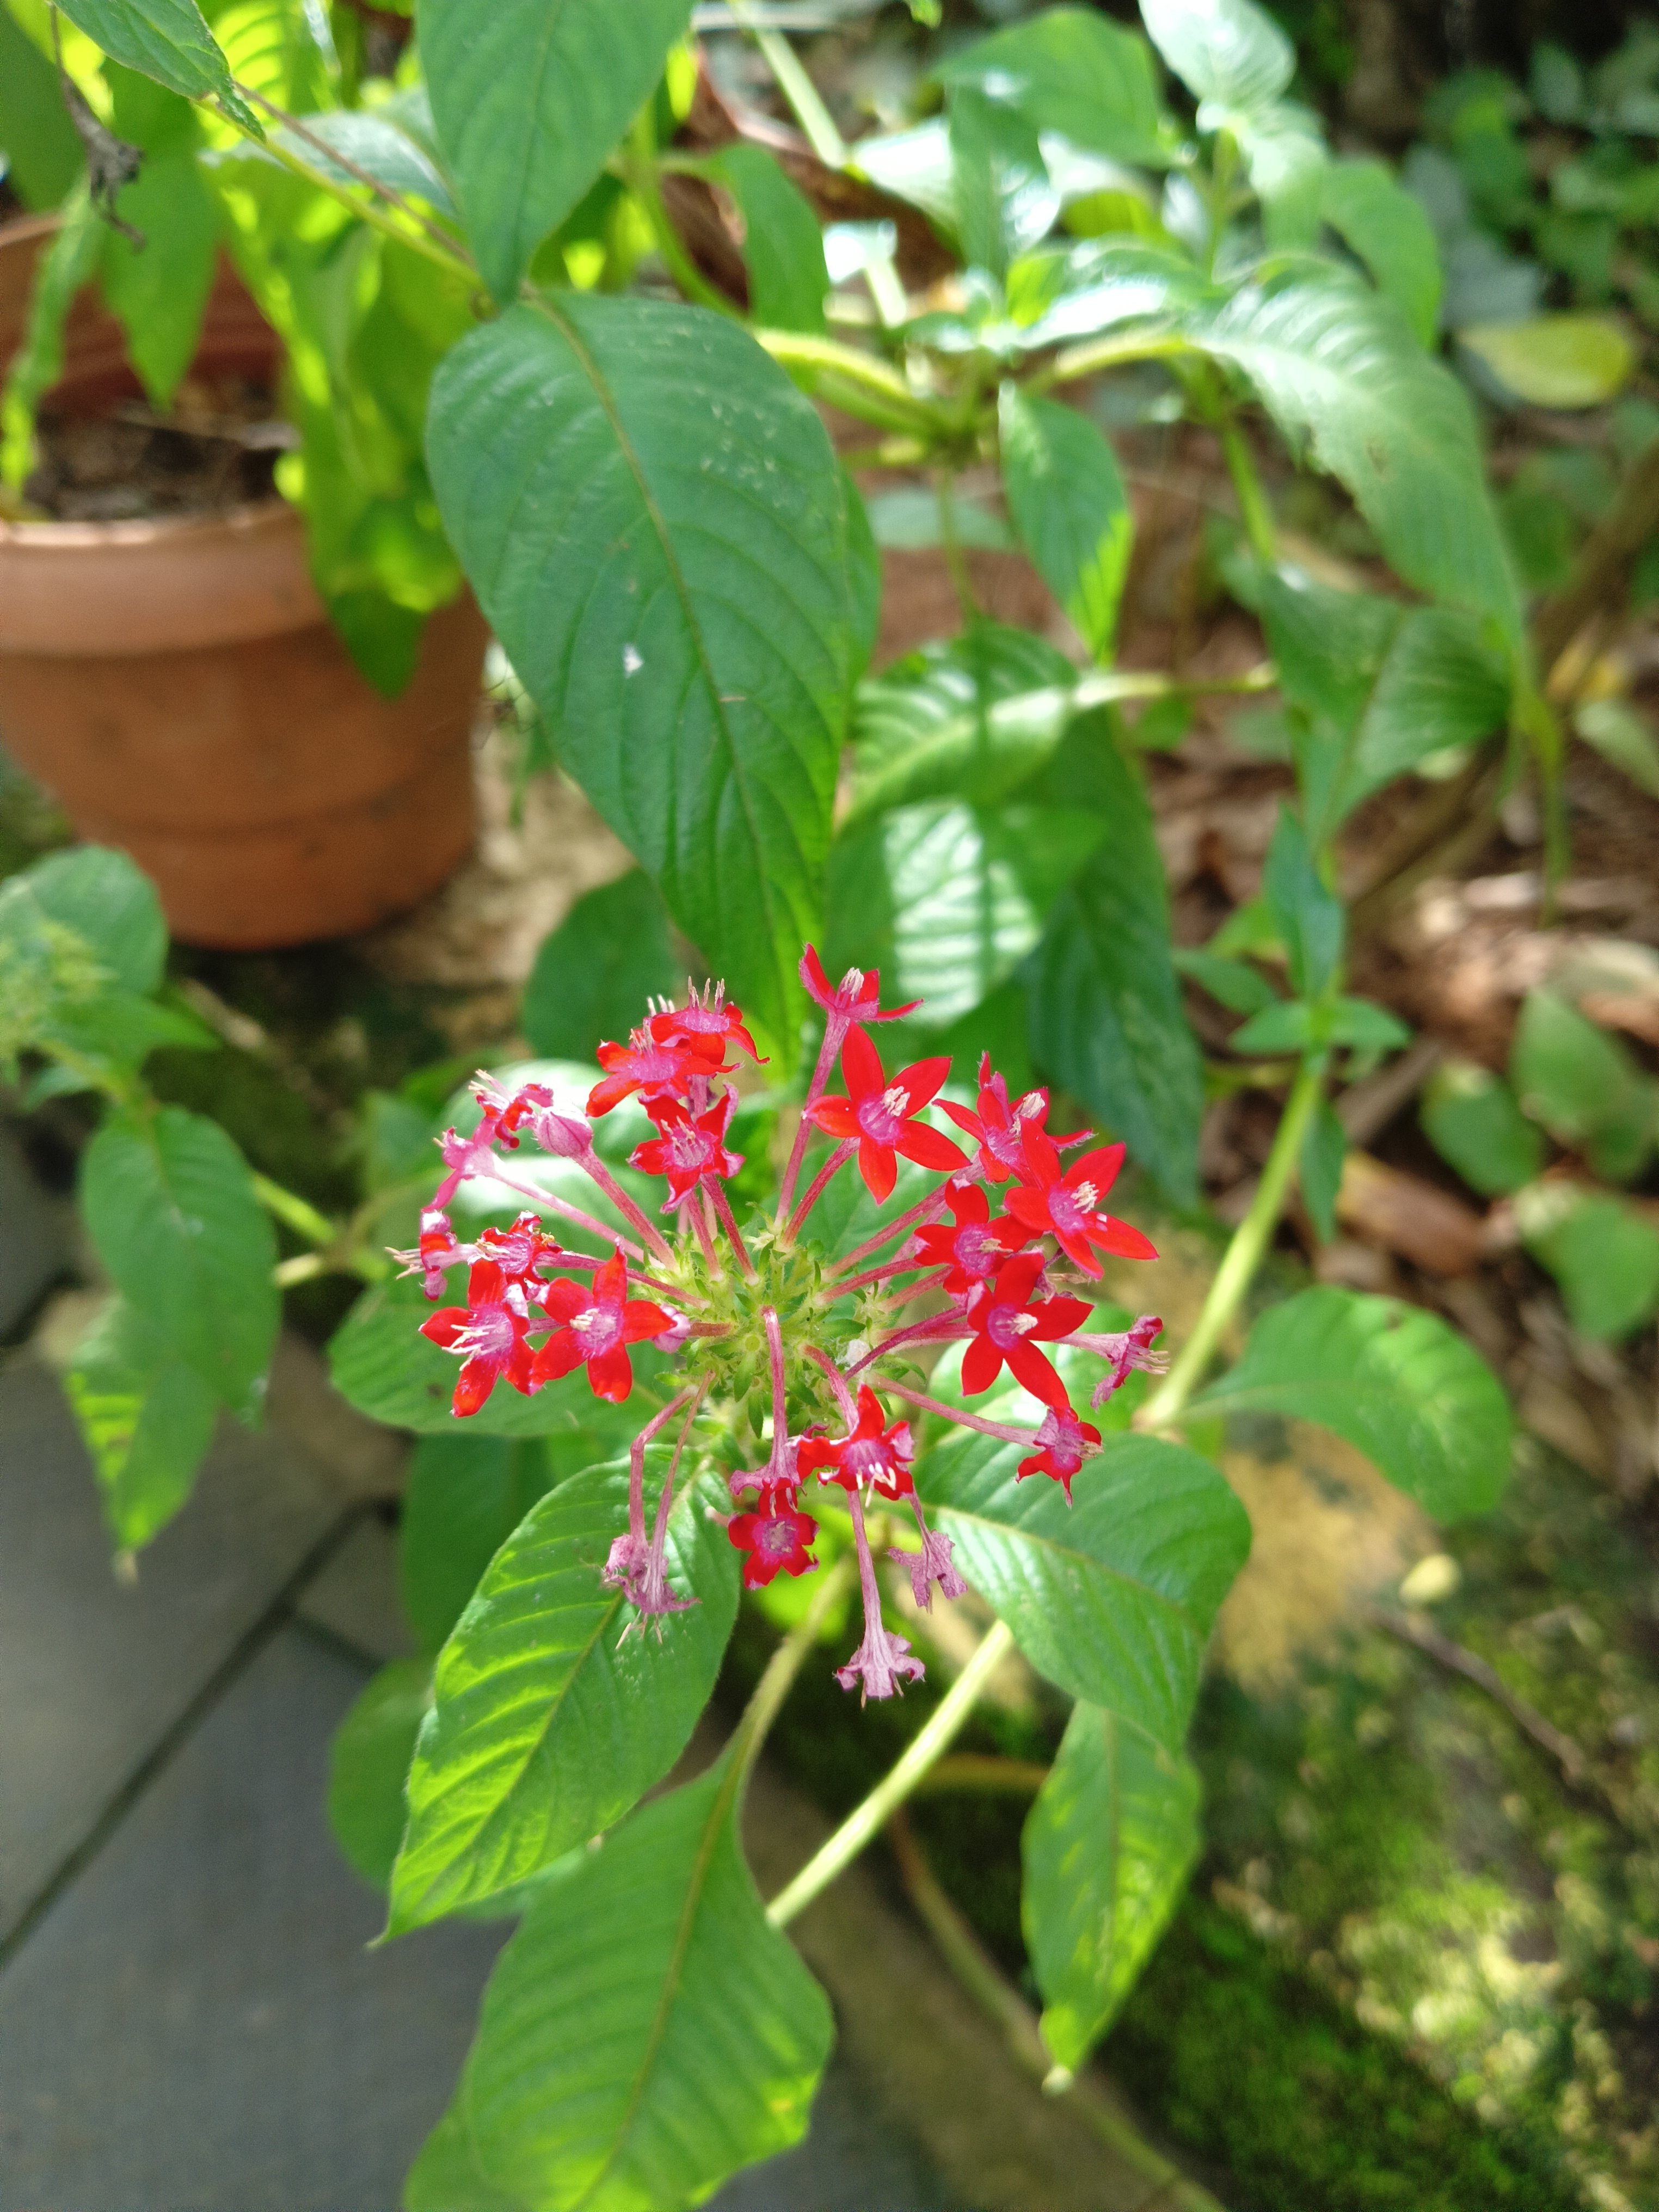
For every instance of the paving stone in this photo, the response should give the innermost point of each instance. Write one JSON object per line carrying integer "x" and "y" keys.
{"x": 196, "y": 2024}
{"x": 35, "y": 1246}
{"x": 355, "y": 1595}
{"x": 93, "y": 1674}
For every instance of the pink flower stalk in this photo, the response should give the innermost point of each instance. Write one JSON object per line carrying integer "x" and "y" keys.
{"x": 782, "y": 1316}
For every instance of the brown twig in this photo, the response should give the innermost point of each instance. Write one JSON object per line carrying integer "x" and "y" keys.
{"x": 996, "y": 1996}
{"x": 1423, "y": 1637}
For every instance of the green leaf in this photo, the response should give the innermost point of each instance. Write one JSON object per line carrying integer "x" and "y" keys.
{"x": 379, "y": 1363}
{"x": 159, "y": 294}
{"x": 864, "y": 579}
{"x": 1340, "y": 373}
{"x": 1309, "y": 920}
{"x": 1107, "y": 1848}
{"x": 594, "y": 973}
{"x": 782, "y": 244}
{"x": 169, "y": 1202}
{"x": 468, "y": 1494}
{"x": 1077, "y": 73}
{"x": 1555, "y": 361}
{"x": 530, "y": 97}
{"x": 108, "y": 901}
{"x": 1242, "y": 989}
{"x": 1624, "y": 736}
{"x": 1604, "y": 1256}
{"x": 1471, "y": 1118}
{"x": 1001, "y": 196}
{"x": 1070, "y": 507}
{"x": 971, "y": 719}
{"x": 1324, "y": 1148}
{"x": 1106, "y": 1016}
{"x": 947, "y": 900}
{"x": 167, "y": 39}
{"x": 553, "y": 1713}
{"x": 43, "y": 154}
{"x": 1226, "y": 50}
{"x": 1384, "y": 686}
{"x": 145, "y": 1417}
{"x": 651, "y": 518}
{"x": 1396, "y": 1382}
{"x": 645, "y": 2033}
{"x": 371, "y": 142}
{"x": 1112, "y": 1598}
{"x": 368, "y": 1762}
{"x": 1286, "y": 1026}
{"x": 1583, "y": 1087}
{"x": 1386, "y": 226}
{"x": 1367, "y": 1027}
{"x": 36, "y": 365}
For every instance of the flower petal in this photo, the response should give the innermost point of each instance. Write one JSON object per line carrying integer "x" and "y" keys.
{"x": 924, "y": 1080}
{"x": 981, "y": 1364}
{"x": 1036, "y": 1372}
{"x": 837, "y": 1117}
{"x": 878, "y": 1167}
{"x": 861, "y": 1066}
{"x": 640, "y": 1319}
{"x": 473, "y": 1385}
{"x": 928, "y": 1148}
{"x": 1125, "y": 1242}
{"x": 1101, "y": 1167}
{"x": 611, "y": 1374}
{"x": 446, "y": 1325}
{"x": 557, "y": 1357}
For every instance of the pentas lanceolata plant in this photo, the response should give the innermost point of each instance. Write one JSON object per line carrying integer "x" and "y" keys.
{"x": 761, "y": 1321}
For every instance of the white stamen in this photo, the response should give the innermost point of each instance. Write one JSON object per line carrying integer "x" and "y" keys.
{"x": 1023, "y": 1323}
{"x": 1086, "y": 1196}
{"x": 897, "y": 1100}
{"x": 1028, "y": 1108}
{"x": 853, "y": 980}
{"x": 585, "y": 1323}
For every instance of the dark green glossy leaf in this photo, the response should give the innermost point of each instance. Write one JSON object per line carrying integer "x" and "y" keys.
{"x": 1106, "y": 1015}
{"x": 595, "y": 972}
{"x": 782, "y": 244}
{"x": 1396, "y": 1381}
{"x": 1106, "y": 1850}
{"x": 167, "y": 39}
{"x": 1071, "y": 70}
{"x": 645, "y": 2033}
{"x": 170, "y": 1205}
{"x": 372, "y": 144}
{"x": 1070, "y": 507}
{"x": 368, "y": 1762}
{"x": 651, "y": 518}
{"x": 968, "y": 718}
{"x": 1112, "y": 1597}
{"x": 1310, "y": 919}
{"x": 1471, "y": 1118}
{"x": 530, "y": 97}
{"x": 146, "y": 1418}
{"x": 553, "y": 1711}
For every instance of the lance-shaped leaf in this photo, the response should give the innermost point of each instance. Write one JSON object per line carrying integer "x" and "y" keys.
{"x": 1310, "y": 919}
{"x": 969, "y": 718}
{"x": 1403, "y": 1387}
{"x": 167, "y": 39}
{"x": 171, "y": 1206}
{"x": 645, "y": 2033}
{"x": 1340, "y": 372}
{"x": 550, "y": 1717}
{"x": 1070, "y": 507}
{"x": 1106, "y": 1013}
{"x": 1228, "y": 51}
{"x": 1107, "y": 1848}
{"x": 782, "y": 244}
{"x": 146, "y": 1417}
{"x": 652, "y": 518}
{"x": 530, "y": 97}
{"x": 1113, "y": 1597}
{"x": 1071, "y": 70}
{"x": 1388, "y": 228}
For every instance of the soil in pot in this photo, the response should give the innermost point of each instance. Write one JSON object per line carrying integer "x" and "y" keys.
{"x": 168, "y": 672}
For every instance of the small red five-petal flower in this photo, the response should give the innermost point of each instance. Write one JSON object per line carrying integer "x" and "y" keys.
{"x": 1068, "y": 1207}
{"x": 776, "y": 1540}
{"x": 872, "y": 1453}
{"x": 976, "y": 1247}
{"x": 882, "y": 1116}
{"x": 599, "y": 1323}
{"x": 490, "y": 1332}
{"x": 689, "y": 1150}
{"x": 1008, "y": 1327}
{"x": 1062, "y": 1441}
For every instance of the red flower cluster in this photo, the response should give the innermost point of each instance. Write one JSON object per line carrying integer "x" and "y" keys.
{"x": 1009, "y": 1303}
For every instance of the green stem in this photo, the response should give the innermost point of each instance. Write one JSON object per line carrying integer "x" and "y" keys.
{"x": 866, "y": 1820}
{"x": 775, "y": 1685}
{"x": 794, "y": 350}
{"x": 1253, "y": 509}
{"x": 1097, "y": 354}
{"x": 295, "y": 1212}
{"x": 1243, "y": 1255}
{"x": 956, "y": 561}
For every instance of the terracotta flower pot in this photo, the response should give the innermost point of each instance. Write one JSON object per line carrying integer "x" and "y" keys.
{"x": 177, "y": 685}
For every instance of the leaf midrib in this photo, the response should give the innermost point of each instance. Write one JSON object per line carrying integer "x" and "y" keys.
{"x": 1071, "y": 1552}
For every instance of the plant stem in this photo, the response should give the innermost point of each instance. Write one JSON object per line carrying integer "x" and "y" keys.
{"x": 866, "y": 1820}
{"x": 775, "y": 1685}
{"x": 956, "y": 561}
{"x": 295, "y": 1212}
{"x": 1243, "y": 1255}
{"x": 802, "y": 350}
{"x": 1254, "y": 511}
{"x": 1086, "y": 360}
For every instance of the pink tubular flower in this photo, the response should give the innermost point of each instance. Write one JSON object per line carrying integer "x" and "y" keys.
{"x": 1068, "y": 1207}
{"x": 655, "y": 1071}
{"x": 872, "y": 1453}
{"x": 490, "y": 1332}
{"x": 883, "y": 1663}
{"x": 776, "y": 1540}
{"x": 703, "y": 1021}
{"x": 976, "y": 1247}
{"x": 519, "y": 1250}
{"x": 1008, "y": 1326}
{"x": 854, "y": 999}
{"x": 882, "y": 1116}
{"x": 437, "y": 1252}
{"x": 1062, "y": 1441}
{"x": 931, "y": 1564}
{"x": 689, "y": 1151}
{"x": 997, "y": 1127}
{"x": 598, "y": 1324}
{"x": 1126, "y": 1350}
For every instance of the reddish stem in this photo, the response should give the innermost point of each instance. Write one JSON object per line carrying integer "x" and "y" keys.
{"x": 820, "y": 1182}
{"x": 960, "y": 1415}
{"x": 636, "y": 1459}
{"x": 832, "y": 1043}
{"x": 844, "y": 1398}
{"x": 545, "y": 1197}
{"x": 938, "y": 1329}
{"x": 883, "y": 1275}
{"x": 916, "y": 1214}
{"x": 723, "y": 1208}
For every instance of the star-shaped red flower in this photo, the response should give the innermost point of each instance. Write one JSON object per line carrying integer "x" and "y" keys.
{"x": 997, "y": 1126}
{"x": 1061, "y": 1441}
{"x": 490, "y": 1332}
{"x": 1008, "y": 1326}
{"x": 656, "y": 1071}
{"x": 871, "y": 1454}
{"x": 705, "y": 1023}
{"x": 775, "y": 1541}
{"x": 689, "y": 1150}
{"x": 976, "y": 1247}
{"x": 599, "y": 1322}
{"x": 883, "y": 1116}
{"x": 1067, "y": 1206}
